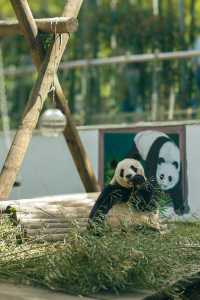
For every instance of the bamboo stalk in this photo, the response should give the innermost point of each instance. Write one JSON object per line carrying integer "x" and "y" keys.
{"x": 171, "y": 104}
{"x": 53, "y": 237}
{"x": 65, "y": 200}
{"x": 56, "y": 209}
{"x": 37, "y": 225}
{"x": 51, "y": 222}
{"x": 49, "y": 25}
{"x": 41, "y": 231}
{"x": 37, "y": 97}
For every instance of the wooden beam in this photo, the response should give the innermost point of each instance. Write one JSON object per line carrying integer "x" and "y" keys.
{"x": 71, "y": 134}
{"x": 36, "y": 100}
{"x": 50, "y": 25}
{"x": 129, "y": 58}
{"x": 99, "y": 62}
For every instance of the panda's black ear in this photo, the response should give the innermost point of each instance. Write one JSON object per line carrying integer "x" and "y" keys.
{"x": 113, "y": 163}
{"x": 135, "y": 156}
{"x": 133, "y": 153}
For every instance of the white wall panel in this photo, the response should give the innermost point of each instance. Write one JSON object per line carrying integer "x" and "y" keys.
{"x": 193, "y": 167}
{"x": 48, "y": 168}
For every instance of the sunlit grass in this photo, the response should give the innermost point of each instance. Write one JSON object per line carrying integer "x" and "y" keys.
{"x": 115, "y": 259}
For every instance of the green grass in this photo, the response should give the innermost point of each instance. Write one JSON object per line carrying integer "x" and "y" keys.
{"x": 119, "y": 259}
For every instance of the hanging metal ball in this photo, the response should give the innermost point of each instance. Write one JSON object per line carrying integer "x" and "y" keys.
{"x": 52, "y": 122}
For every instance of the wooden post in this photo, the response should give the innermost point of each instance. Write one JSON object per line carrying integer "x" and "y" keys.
{"x": 81, "y": 160}
{"x": 36, "y": 100}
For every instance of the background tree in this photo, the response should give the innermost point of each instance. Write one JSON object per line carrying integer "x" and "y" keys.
{"x": 107, "y": 28}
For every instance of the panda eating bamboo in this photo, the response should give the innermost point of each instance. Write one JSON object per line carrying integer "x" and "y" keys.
{"x": 128, "y": 184}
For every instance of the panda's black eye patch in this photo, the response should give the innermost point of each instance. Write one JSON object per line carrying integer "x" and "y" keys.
{"x": 175, "y": 164}
{"x": 161, "y": 160}
{"x": 121, "y": 174}
{"x": 134, "y": 169}
{"x": 162, "y": 176}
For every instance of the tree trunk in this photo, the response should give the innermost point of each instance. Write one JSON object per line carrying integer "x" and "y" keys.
{"x": 191, "y": 76}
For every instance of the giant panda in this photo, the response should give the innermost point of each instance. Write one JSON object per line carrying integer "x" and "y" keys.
{"x": 161, "y": 157}
{"x": 128, "y": 182}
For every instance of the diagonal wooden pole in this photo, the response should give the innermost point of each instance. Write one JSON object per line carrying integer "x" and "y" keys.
{"x": 36, "y": 100}
{"x": 29, "y": 28}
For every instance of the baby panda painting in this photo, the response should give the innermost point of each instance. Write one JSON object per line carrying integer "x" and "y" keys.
{"x": 128, "y": 183}
{"x": 161, "y": 157}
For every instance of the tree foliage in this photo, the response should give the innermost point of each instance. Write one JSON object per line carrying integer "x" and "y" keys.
{"x": 109, "y": 28}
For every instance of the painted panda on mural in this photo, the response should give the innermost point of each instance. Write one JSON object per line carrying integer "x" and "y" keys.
{"x": 162, "y": 163}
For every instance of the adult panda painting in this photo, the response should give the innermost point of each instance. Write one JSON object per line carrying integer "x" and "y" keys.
{"x": 161, "y": 157}
{"x": 128, "y": 183}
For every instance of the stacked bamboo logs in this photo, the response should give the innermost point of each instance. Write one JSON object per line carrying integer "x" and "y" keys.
{"x": 51, "y": 218}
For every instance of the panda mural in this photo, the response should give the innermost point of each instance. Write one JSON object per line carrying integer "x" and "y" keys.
{"x": 161, "y": 157}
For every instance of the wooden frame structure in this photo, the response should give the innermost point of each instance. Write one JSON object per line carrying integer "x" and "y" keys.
{"x": 99, "y": 62}
{"x": 47, "y": 66}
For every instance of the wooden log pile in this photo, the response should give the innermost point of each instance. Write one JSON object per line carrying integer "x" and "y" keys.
{"x": 51, "y": 218}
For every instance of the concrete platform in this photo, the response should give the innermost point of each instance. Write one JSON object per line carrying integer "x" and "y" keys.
{"x": 135, "y": 295}
{"x": 10, "y": 291}
{"x": 18, "y": 292}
